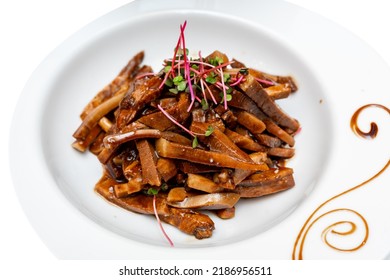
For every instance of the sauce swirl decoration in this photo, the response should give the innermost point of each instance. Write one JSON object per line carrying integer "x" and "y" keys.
{"x": 372, "y": 133}
{"x": 316, "y": 214}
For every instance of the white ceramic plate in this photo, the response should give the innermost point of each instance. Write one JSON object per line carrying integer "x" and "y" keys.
{"x": 336, "y": 74}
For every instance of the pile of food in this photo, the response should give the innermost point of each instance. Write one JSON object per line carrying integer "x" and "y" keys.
{"x": 200, "y": 134}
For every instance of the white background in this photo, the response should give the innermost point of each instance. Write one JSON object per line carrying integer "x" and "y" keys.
{"x": 32, "y": 29}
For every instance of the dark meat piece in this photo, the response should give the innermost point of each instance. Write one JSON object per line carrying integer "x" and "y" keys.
{"x": 256, "y": 92}
{"x": 148, "y": 160}
{"x": 196, "y": 168}
{"x": 218, "y": 141}
{"x": 250, "y": 121}
{"x": 166, "y": 168}
{"x": 268, "y": 141}
{"x": 122, "y": 81}
{"x": 168, "y": 149}
{"x": 201, "y": 183}
{"x": 267, "y": 182}
{"x": 227, "y": 213}
{"x": 177, "y": 110}
{"x": 244, "y": 142}
{"x": 186, "y": 220}
{"x": 136, "y": 98}
{"x": 210, "y": 201}
{"x": 241, "y": 174}
{"x": 190, "y": 222}
{"x": 278, "y": 91}
{"x": 280, "y": 133}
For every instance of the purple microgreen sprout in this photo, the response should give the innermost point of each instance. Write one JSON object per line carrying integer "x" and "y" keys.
{"x": 237, "y": 81}
{"x": 159, "y": 221}
{"x": 140, "y": 76}
{"x": 175, "y": 121}
{"x": 265, "y": 82}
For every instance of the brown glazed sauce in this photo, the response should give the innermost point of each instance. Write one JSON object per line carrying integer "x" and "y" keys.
{"x": 373, "y": 129}
{"x": 300, "y": 240}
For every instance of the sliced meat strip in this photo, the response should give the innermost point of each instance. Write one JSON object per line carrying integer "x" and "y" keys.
{"x": 265, "y": 183}
{"x": 256, "y": 92}
{"x": 168, "y": 149}
{"x": 136, "y": 98}
{"x": 148, "y": 160}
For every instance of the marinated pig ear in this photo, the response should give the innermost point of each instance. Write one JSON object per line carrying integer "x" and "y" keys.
{"x": 177, "y": 194}
{"x": 169, "y": 149}
{"x": 227, "y": 213}
{"x": 210, "y": 201}
{"x": 275, "y": 130}
{"x": 265, "y": 183}
{"x": 288, "y": 80}
{"x": 241, "y": 174}
{"x": 186, "y": 220}
{"x": 148, "y": 161}
{"x": 178, "y": 111}
{"x": 136, "y": 98}
{"x": 166, "y": 168}
{"x": 96, "y": 114}
{"x": 202, "y": 183}
{"x": 279, "y": 91}
{"x": 120, "y": 83}
{"x": 218, "y": 141}
{"x": 199, "y": 134}
{"x": 243, "y": 142}
{"x": 256, "y": 92}
{"x": 250, "y": 121}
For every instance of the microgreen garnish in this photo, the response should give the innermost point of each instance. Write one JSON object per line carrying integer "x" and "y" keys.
{"x": 152, "y": 191}
{"x": 195, "y": 142}
{"x": 238, "y": 81}
{"x": 211, "y": 78}
{"x": 169, "y": 82}
{"x": 159, "y": 221}
{"x": 226, "y": 77}
{"x": 205, "y": 105}
{"x": 164, "y": 186}
{"x": 244, "y": 71}
{"x": 175, "y": 121}
{"x": 216, "y": 61}
{"x": 174, "y": 90}
{"x": 209, "y": 131}
{"x": 266, "y": 82}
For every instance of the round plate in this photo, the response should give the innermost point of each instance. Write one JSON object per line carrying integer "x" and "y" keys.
{"x": 56, "y": 190}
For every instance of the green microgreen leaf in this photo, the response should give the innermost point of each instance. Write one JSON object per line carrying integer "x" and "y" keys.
{"x": 164, "y": 186}
{"x": 209, "y": 131}
{"x": 167, "y": 68}
{"x": 205, "y": 105}
{"x": 229, "y": 90}
{"x": 194, "y": 66}
{"x": 228, "y": 96}
{"x": 195, "y": 142}
{"x": 211, "y": 78}
{"x": 174, "y": 90}
{"x": 176, "y": 80}
{"x": 244, "y": 71}
{"x": 226, "y": 77}
{"x": 152, "y": 191}
{"x": 169, "y": 82}
{"x": 181, "y": 86}
{"x": 216, "y": 61}
{"x": 180, "y": 52}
